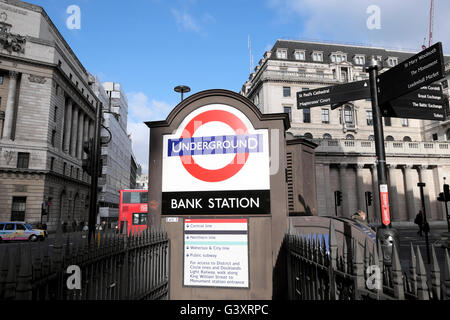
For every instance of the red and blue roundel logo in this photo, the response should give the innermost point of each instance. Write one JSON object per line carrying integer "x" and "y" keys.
{"x": 241, "y": 144}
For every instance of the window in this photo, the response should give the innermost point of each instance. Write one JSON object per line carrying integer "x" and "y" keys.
{"x": 338, "y": 57}
{"x": 348, "y": 114}
{"x": 139, "y": 218}
{"x": 135, "y": 197}
{"x": 349, "y": 137}
{"x": 299, "y": 55}
{"x": 18, "y": 209}
{"x": 308, "y": 135}
{"x": 307, "y": 115}
{"x": 64, "y": 168}
{"x": 320, "y": 74}
{"x": 283, "y": 69}
{"x": 371, "y": 137}
{"x": 387, "y": 121}
{"x": 317, "y": 56}
{"x": 10, "y": 226}
{"x": 327, "y": 136}
{"x": 282, "y": 53}
{"x": 407, "y": 139}
{"x": 1, "y": 79}
{"x": 369, "y": 118}
{"x": 52, "y": 163}
{"x": 55, "y": 115}
{"x": 434, "y": 136}
{"x": 404, "y": 122}
{"x": 23, "y": 159}
{"x": 302, "y": 73}
{"x": 20, "y": 226}
{"x": 360, "y": 60}
{"x": 305, "y": 89}
{"x": 389, "y": 138}
{"x": 447, "y": 135}
{"x": 53, "y": 138}
{"x": 2, "y": 225}
{"x": 325, "y": 116}
{"x": 392, "y": 61}
{"x": 286, "y": 91}
{"x": 288, "y": 110}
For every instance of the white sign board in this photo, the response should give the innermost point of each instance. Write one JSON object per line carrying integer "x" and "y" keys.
{"x": 216, "y": 253}
{"x": 216, "y": 163}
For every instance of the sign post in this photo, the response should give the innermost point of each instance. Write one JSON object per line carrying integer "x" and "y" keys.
{"x": 385, "y": 234}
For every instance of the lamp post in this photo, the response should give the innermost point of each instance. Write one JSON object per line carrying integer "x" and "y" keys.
{"x": 182, "y": 89}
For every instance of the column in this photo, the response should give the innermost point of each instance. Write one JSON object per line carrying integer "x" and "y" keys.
{"x": 10, "y": 103}
{"x": 74, "y": 136}
{"x": 438, "y": 188}
{"x": 67, "y": 125}
{"x": 409, "y": 192}
{"x": 376, "y": 213}
{"x": 360, "y": 187}
{"x": 344, "y": 190}
{"x": 394, "y": 209}
{"x": 80, "y": 135}
{"x": 427, "y": 191}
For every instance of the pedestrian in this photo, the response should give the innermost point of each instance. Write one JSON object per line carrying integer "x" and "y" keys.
{"x": 360, "y": 216}
{"x": 419, "y": 220}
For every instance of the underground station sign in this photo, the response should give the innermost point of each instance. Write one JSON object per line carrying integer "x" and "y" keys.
{"x": 216, "y": 163}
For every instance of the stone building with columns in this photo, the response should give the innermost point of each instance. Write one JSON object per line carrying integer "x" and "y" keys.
{"x": 416, "y": 150}
{"x": 47, "y": 110}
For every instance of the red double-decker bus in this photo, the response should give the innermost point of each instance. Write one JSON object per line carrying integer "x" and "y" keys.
{"x": 133, "y": 208}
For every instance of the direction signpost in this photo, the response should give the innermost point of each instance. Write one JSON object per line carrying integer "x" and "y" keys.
{"x": 420, "y": 70}
{"x": 333, "y": 95}
{"x": 404, "y": 91}
{"x": 427, "y": 103}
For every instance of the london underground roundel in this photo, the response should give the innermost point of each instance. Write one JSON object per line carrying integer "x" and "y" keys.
{"x": 216, "y": 162}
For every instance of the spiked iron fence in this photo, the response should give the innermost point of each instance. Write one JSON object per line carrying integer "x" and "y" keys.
{"x": 315, "y": 272}
{"x": 114, "y": 266}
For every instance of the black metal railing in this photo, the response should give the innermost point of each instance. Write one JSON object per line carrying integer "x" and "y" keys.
{"x": 314, "y": 271}
{"x": 114, "y": 266}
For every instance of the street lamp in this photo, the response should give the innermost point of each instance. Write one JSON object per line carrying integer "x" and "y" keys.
{"x": 182, "y": 89}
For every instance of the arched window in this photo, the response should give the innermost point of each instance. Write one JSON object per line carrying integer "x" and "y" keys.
{"x": 349, "y": 137}
{"x": 371, "y": 137}
{"x": 308, "y": 135}
{"x": 407, "y": 139}
{"x": 327, "y": 136}
{"x": 447, "y": 134}
{"x": 389, "y": 138}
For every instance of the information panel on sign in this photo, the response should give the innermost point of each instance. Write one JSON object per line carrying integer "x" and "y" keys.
{"x": 216, "y": 253}
{"x": 337, "y": 94}
{"x": 420, "y": 70}
{"x": 427, "y": 103}
{"x": 216, "y": 163}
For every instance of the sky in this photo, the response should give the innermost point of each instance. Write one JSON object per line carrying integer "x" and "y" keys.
{"x": 151, "y": 46}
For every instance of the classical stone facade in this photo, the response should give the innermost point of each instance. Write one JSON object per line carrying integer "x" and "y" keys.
{"x": 417, "y": 150}
{"x": 47, "y": 110}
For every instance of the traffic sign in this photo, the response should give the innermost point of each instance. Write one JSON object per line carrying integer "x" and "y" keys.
{"x": 420, "y": 70}
{"x": 333, "y": 95}
{"x": 427, "y": 103}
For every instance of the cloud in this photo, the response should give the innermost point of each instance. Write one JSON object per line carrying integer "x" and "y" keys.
{"x": 186, "y": 22}
{"x": 403, "y": 25}
{"x": 140, "y": 109}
